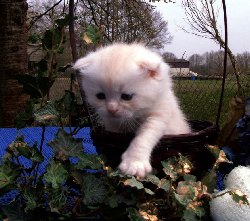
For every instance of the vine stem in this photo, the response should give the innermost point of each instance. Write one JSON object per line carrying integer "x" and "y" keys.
{"x": 72, "y": 31}
{"x": 74, "y": 53}
{"x": 40, "y": 150}
{"x": 224, "y": 63}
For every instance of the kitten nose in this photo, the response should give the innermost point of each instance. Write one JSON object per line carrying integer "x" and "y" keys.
{"x": 112, "y": 107}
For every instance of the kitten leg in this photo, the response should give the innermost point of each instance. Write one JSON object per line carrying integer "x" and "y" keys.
{"x": 136, "y": 159}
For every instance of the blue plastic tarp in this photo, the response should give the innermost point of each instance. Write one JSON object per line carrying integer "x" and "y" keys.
{"x": 32, "y": 135}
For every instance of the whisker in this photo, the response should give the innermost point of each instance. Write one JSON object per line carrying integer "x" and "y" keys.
{"x": 129, "y": 125}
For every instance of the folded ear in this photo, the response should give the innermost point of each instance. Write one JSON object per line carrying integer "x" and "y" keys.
{"x": 152, "y": 69}
{"x": 82, "y": 63}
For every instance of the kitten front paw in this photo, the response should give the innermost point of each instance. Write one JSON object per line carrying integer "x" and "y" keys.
{"x": 135, "y": 167}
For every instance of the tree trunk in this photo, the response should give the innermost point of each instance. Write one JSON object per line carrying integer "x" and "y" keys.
{"x": 13, "y": 58}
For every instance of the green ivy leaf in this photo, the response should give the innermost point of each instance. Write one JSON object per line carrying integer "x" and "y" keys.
{"x": 77, "y": 176}
{"x": 60, "y": 50}
{"x": 150, "y": 178}
{"x": 61, "y": 22}
{"x": 36, "y": 156}
{"x": 239, "y": 197}
{"x": 52, "y": 38}
{"x": 42, "y": 65}
{"x": 8, "y": 174}
{"x": 199, "y": 211}
{"x": 57, "y": 199}
{"x": 117, "y": 173}
{"x": 185, "y": 193}
{"x": 114, "y": 201}
{"x": 36, "y": 87}
{"x": 92, "y": 34}
{"x": 168, "y": 168}
{"x": 68, "y": 100}
{"x": 47, "y": 114}
{"x": 93, "y": 189}
{"x": 31, "y": 153}
{"x": 190, "y": 215}
{"x": 189, "y": 178}
{"x": 26, "y": 117}
{"x": 184, "y": 163}
{"x": 164, "y": 184}
{"x": 14, "y": 212}
{"x": 149, "y": 191}
{"x": 68, "y": 105}
{"x": 132, "y": 182}
{"x": 210, "y": 180}
{"x": 64, "y": 145}
{"x": 186, "y": 188}
{"x": 5, "y": 179}
{"x": 90, "y": 161}
{"x": 134, "y": 215}
{"x": 33, "y": 38}
{"x": 31, "y": 198}
{"x": 215, "y": 150}
{"x": 182, "y": 199}
{"x": 56, "y": 174}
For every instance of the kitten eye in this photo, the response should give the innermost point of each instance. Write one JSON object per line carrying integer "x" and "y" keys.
{"x": 101, "y": 96}
{"x": 127, "y": 97}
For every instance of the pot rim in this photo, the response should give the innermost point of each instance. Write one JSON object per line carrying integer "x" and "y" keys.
{"x": 207, "y": 127}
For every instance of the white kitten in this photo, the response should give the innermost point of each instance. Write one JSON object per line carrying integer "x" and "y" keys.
{"x": 130, "y": 88}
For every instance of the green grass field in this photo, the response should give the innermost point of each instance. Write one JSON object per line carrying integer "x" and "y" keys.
{"x": 200, "y": 98}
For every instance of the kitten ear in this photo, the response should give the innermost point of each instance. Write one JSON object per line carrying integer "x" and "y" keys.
{"x": 82, "y": 63}
{"x": 153, "y": 70}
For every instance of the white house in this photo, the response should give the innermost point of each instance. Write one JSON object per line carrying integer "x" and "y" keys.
{"x": 179, "y": 67}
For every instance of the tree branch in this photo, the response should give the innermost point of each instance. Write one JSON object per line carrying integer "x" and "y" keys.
{"x": 72, "y": 31}
{"x": 203, "y": 21}
{"x": 41, "y": 15}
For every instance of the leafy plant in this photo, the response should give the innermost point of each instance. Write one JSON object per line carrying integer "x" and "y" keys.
{"x": 80, "y": 185}
{"x": 38, "y": 82}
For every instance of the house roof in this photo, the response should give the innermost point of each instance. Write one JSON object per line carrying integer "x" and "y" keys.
{"x": 177, "y": 63}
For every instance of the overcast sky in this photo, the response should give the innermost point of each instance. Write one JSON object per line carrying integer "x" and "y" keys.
{"x": 238, "y": 12}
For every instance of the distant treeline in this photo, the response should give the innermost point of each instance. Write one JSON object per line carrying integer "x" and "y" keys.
{"x": 211, "y": 63}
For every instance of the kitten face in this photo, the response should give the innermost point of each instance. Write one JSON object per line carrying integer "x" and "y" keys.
{"x": 120, "y": 83}
{"x": 112, "y": 101}
{"x": 118, "y": 103}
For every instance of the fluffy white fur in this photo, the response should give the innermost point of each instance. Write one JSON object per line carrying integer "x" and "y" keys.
{"x": 130, "y": 88}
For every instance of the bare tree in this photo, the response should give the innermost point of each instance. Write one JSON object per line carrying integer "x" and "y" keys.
{"x": 214, "y": 62}
{"x": 243, "y": 60}
{"x": 127, "y": 21}
{"x": 169, "y": 55}
{"x": 41, "y": 14}
{"x": 211, "y": 63}
{"x": 202, "y": 17}
{"x": 197, "y": 64}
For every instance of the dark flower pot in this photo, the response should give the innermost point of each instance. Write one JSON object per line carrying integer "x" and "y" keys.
{"x": 192, "y": 145}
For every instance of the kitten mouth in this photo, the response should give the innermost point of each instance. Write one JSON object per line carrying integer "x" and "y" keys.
{"x": 114, "y": 115}
{"x": 119, "y": 116}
